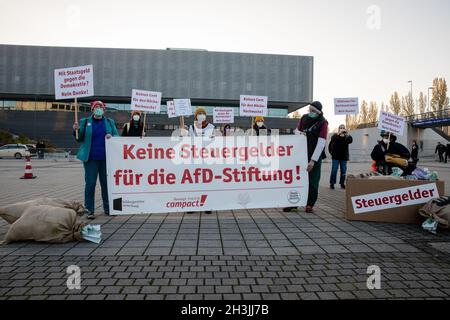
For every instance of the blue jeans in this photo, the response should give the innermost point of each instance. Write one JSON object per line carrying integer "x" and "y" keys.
{"x": 92, "y": 169}
{"x": 334, "y": 170}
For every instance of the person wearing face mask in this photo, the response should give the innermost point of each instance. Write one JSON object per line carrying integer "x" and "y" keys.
{"x": 259, "y": 127}
{"x": 92, "y": 132}
{"x": 315, "y": 127}
{"x": 388, "y": 154}
{"x": 338, "y": 149}
{"x": 201, "y": 127}
{"x": 134, "y": 128}
{"x": 226, "y": 130}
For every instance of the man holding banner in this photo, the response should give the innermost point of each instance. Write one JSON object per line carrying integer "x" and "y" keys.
{"x": 92, "y": 132}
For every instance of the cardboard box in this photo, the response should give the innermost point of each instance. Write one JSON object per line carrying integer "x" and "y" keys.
{"x": 389, "y": 200}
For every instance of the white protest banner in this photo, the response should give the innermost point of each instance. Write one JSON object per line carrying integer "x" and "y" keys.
{"x": 252, "y": 106}
{"x": 344, "y": 106}
{"x": 75, "y": 82}
{"x": 223, "y": 115}
{"x": 391, "y": 123}
{"x": 164, "y": 174}
{"x": 171, "y": 109}
{"x": 183, "y": 107}
{"x": 395, "y": 198}
{"x": 147, "y": 101}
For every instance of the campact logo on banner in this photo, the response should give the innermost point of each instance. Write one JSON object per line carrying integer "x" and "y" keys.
{"x": 191, "y": 202}
{"x": 395, "y": 198}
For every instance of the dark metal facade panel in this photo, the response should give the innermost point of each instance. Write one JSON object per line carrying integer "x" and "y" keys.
{"x": 176, "y": 73}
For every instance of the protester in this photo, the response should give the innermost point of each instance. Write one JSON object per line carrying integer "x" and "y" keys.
{"x": 226, "y": 130}
{"x": 259, "y": 127}
{"x": 447, "y": 152}
{"x": 388, "y": 154}
{"x": 135, "y": 127}
{"x": 40, "y": 148}
{"x": 415, "y": 152}
{"x": 201, "y": 127}
{"x": 338, "y": 149}
{"x": 91, "y": 133}
{"x": 440, "y": 149}
{"x": 315, "y": 127}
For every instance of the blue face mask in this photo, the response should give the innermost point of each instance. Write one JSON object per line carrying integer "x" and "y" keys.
{"x": 98, "y": 112}
{"x": 313, "y": 115}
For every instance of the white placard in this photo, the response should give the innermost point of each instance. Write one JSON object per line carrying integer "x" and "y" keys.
{"x": 344, "y": 106}
{"x": 171, "y": 109}
{"x": 183, "y": 107}
{"x": 395, "y": 198}
{"x": 74, "y": 82}
{"x": 161, "y": 174}
{"x": 252, "y": 106}
{"x": 147, "y": 101}
{"x": 391, "y": 123}
{"x": 223, "y": 115}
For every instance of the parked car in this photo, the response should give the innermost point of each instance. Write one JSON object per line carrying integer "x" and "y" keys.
{"x": 17, "y": 151}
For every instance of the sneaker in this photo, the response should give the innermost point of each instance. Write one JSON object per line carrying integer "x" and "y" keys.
{"x": 309, "y": 209}
{"x": 107, "y": 213}
{"x": 208, "y": 212}
{"x": 90, "y": 215}
{"x": 190, "y": 212}
{"x": 332, "y": 186}
{"x": 342, "y": 186}
{"x": 289, "y": 209}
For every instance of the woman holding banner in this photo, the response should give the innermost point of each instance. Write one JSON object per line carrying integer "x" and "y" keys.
{"x": 92, "y": 133}
{"x": 201, "y": 127}
{"x": 135, "y": 127}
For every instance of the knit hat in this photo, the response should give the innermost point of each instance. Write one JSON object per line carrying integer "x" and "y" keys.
{"x": 97, "y": 103}
{"x": 135, "y": 112}
{"x": 259, "y": 118}
{"x": 317, "y": 106}
{"x": 198, "y": 111}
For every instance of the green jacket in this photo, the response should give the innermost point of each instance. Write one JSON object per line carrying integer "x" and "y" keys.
{"x": 85, "y": 135}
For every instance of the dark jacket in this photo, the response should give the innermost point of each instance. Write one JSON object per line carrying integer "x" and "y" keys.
{"x": 132, "y": 129}
{"x": 440, "y": 149}
{"x": 312, "y": 127}
{"x": 415, "y": 152}
{"x": 380, "y": 150}
{"x": 338, "y": 147}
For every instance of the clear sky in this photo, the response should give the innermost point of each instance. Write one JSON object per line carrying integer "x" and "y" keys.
{"x": 365, "y": 49}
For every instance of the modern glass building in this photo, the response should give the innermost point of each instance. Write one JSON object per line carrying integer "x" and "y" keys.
{"x": 209, "y": 79}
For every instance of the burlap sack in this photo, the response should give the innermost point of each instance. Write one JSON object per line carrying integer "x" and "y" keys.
{"x": 46, "y": 224}
{"x": 14, "y": 211}
{"x": 439, "y": 210}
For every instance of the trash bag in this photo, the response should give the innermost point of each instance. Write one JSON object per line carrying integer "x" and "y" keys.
{"x": 439, "y": 210}
{"x": 46, "y": 224}
{"x": 14, "y": 211}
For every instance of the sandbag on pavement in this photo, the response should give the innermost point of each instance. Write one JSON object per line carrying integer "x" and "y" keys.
{"x": 46, "y": 224}
{"x": 14, "y": 211}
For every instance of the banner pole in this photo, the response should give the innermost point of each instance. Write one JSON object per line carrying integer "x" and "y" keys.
{"x": 143, "y": 127}
{"x": 76, "y": 117}
{"x": 389, "y": 141}
{"x": 253, "y": 119}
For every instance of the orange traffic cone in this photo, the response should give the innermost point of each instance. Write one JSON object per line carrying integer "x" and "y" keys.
{"x": 28, "y": 170}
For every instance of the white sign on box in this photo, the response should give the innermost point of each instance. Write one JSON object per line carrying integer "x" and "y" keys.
{"x": 252, "y": 106}
{"x": 183, "y": 107}
{"x": 147, "y": 101}
{"x": 344, "y": 106}
{"x": 223, "y": 115}
{"x": 391, "y": 123}
{"x": 161, "y": 174}
{"x": 395, "y": 198}
{"x": 171, "y": 109}
{"x": 74, "y": 82}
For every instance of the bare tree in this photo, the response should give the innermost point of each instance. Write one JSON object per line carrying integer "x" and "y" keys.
{"x": 407, "y": 106}
{"x": 351, "y": 122}
{"x": 395, "y": 104}
{"x": 439, "y": 100}
{"x": 364, "y": 112}
{"x": 422, "y": 103}
{"x": 373, "y": 112}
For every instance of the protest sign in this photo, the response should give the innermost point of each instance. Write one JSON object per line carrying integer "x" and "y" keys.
{"x": 223, "y": 115}
{"x": 74, "y": 82}
{"x": 253, "y": 106}
{"x": 164, "y": 174}
{"x": 183, "y": 107}
{"x": 147, "y": 101}
{"x": 344, "y": 106}
{"x": 391, "y": 123}
{"x": 171, "y": 109}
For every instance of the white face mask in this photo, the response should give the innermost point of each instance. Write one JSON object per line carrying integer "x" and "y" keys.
{"x": 386, "y": 141}
{"x": 136, "y": 117}
{"x": 201, "y": 118}
{"x": 260, "y": 124}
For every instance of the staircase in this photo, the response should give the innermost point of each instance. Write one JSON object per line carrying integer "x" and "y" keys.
{"x": 441, "y": 133}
